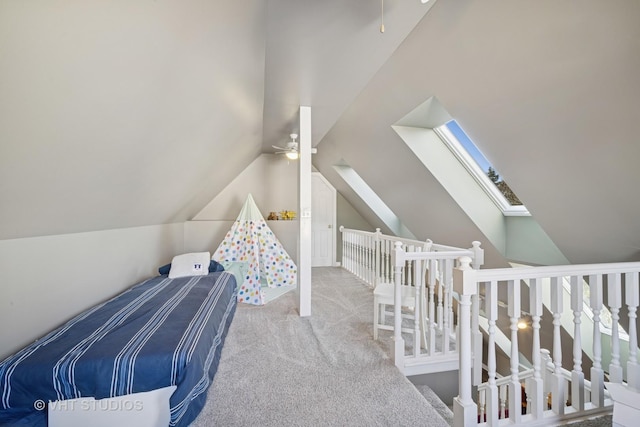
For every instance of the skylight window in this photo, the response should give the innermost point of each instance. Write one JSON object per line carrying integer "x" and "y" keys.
{"x": 369, "y": 196}
{"x": 480, "y": 168}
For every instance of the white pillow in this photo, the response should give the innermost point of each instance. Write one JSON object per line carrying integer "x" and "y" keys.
{"x": 192, "y": 264}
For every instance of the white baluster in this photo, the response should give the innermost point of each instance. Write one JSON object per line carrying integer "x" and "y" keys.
{"x": 367, "y": 259}
{"x": 417, "y": 312}
{"x": 409, "y": 267}
{"x": 373, "y": 263}
{"x": 503, "y": 401}
{"x": 376, "y": 257}
{"x": 345, "y": 249}
{"x": 356, "y": 254}
{"x": 535, "y": 385}
{"x": 476, "y": 339}
{"x": 546, "y": 370}
{"x": 387, "y": 275}
{"x": 353, "y": 252}
{"x": 440, "y": 295}
{"x": 577, "y": 376}
{"x": 366, "y": 252}
{"x": 350, "y": 238}
{"x": 632, "y": 297}
{"x": 376, "y": 266}
{"x": 423, "y": 267}
{"x": 491, "y": 311}
{"x": 515, "y": 394}
{"x": 558, "y": 392}
{"x": 450, "y": 264}
{"x": 361, "y": 256}
{"x": 482, "y": 404}
{"x": 364, "y": 260}
{"x": 447, "y": 306}
{"x": 383, "y": 260}
{"x": 614, "y": 288}
{"x": 597, "y": 374}
{"x": 341, "y": 229}
{"x": 431, "y": 339}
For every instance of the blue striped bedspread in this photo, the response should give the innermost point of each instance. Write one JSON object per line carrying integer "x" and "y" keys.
{"x": 158, "y": 333}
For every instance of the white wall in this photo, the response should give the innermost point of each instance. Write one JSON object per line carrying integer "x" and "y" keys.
{"x": 273, "y": 182}
{"x": 45, "y": 281}
{"x": 271, "y": 179}
{"x": 528, "y": 243}
{"x": 124, "y": 114}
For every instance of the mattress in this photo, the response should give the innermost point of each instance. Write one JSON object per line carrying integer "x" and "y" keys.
{"x": 159, "y": 333}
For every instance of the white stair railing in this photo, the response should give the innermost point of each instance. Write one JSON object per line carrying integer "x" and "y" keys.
{"x": 359, "y": 253}
{"x": 553, "y": 391}
{"x": 367, "y": 254}
{"x": 428, "y": 267}
{"x": 432, "y": 270}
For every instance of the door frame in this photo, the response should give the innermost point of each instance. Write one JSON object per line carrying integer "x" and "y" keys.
{"x": 333, "y": 215}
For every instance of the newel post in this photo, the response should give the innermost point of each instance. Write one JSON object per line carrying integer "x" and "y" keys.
{"x": 465, "y": 410}
{"x": 397, "y": 260}
{"x": 428, "y": 245}
{"x": 377, "y": 259}
{"x": 478, "y": 255}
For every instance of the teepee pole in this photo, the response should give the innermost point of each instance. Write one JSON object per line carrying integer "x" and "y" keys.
{"x": 304, "y": 201}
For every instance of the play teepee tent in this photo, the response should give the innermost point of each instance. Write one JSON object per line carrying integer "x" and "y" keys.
{"x": 251, "y": 243}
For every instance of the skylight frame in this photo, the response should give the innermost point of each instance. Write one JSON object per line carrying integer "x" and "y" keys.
{"x": 367, "y": 194}
{"x": 470, "y": 164}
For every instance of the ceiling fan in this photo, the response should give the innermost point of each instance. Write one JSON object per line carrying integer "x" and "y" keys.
{"x": 291, "y": 150}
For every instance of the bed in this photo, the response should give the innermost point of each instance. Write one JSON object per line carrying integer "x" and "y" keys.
{"x": 164, "y": 334}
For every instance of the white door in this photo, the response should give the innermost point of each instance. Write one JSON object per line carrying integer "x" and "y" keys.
{"x": 323, "y": 218}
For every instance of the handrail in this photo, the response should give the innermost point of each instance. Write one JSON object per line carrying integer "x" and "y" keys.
{"x": 619, "y": 282}
{"x": 521, "y": 273}
{"x": 553, "y": 391}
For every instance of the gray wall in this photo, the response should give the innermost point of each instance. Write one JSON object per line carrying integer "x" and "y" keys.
{"x": 347, "y": 217}
{"x": 47, "y": 280}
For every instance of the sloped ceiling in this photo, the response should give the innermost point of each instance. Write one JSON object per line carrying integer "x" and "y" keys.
{"x": 547, "y": 90}
{"x": 119, "y": 114}
{"x": 115, "y": 114}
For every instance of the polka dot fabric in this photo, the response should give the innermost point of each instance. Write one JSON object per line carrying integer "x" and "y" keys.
{"x": 252, "y": 241}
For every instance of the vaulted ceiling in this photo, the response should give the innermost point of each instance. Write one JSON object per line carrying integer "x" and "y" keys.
{"x": 121, "y": 114}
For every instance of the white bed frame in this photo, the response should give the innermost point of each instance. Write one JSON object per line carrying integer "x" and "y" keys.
{"x": 148, "y": 409}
